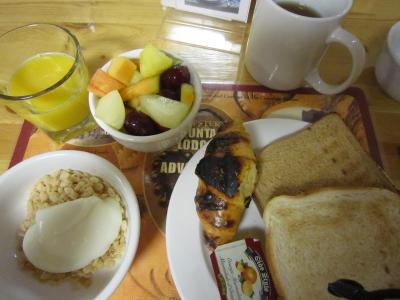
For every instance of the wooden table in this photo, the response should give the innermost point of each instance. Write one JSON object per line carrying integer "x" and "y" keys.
{"x": 215, "y": 48}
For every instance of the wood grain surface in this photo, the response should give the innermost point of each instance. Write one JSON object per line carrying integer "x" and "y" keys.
{"x": 215, "y": 48}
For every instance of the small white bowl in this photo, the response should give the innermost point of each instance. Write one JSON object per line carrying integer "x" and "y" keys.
{"x": 156, "y": 142}
{"x": 387, "y": 68}
{"x": 15, "y": 186}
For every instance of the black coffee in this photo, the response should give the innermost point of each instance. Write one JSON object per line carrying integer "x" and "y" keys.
{"x": 299, "y": 9}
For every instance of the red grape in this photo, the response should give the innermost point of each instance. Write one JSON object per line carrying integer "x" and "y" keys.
{"x": 137, "y": 123}
{"x": 173, "y": 77}
{"x": 171, "y": 94}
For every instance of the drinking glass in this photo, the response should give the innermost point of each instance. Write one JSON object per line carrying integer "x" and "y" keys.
{"x": 43, "y": 78}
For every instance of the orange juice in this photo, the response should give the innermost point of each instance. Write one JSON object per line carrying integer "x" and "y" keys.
{"x": 58, "y": 109}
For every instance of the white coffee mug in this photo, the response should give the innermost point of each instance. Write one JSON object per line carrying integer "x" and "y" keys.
{"x": 387, "y": 68}
{"x": 284, "y": 49}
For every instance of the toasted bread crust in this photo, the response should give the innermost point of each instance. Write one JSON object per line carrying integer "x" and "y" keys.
{"x": 333, "y": 233}
{"x": 273, "y": 268}
{"x": 324, "y": 154}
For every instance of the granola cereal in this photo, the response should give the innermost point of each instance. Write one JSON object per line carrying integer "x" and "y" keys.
{"x": 62, "y": 186}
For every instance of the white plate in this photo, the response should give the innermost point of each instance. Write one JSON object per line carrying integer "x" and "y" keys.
{"x": 15, "y": 185}
{"x": 187, "y": 255}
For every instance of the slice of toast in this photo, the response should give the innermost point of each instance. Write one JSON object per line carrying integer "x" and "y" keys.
{"x": 325, "y": 154}
{"x": 334, "y": 233}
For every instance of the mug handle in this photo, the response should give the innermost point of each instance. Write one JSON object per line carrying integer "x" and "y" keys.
{"x": 357, "y": 51}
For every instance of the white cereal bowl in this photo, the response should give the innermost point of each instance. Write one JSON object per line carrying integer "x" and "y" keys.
{"x": 156, "y": 142}
{"x": 15, "y": 186}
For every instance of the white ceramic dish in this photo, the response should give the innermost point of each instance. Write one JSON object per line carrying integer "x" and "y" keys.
{"x": 157, "y": 142}
{"x": 15, "y": 185}
{"x": 387, "y": 67}
{"x": 187, "y": 254}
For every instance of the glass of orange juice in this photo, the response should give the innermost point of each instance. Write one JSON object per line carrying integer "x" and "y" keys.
{"x": 43, "y": 78}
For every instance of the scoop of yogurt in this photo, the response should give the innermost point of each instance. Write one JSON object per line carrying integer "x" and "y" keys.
{"x": 68, "y": 236}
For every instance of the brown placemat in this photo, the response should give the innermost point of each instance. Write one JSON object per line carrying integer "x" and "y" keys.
{"x": 153, "y": 176}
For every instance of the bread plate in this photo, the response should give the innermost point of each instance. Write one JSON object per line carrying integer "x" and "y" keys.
{"x": 187, "y": 254}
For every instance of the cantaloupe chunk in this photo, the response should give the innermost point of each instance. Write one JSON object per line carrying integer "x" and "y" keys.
{"x": 121, "y": 69}
{"x": 102, "y": 83}
{"x": 149, "y": 85}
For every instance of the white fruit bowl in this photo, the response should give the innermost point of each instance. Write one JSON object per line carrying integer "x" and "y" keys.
{"x": 15, "y": 187}
{"x": 156, "y": 142}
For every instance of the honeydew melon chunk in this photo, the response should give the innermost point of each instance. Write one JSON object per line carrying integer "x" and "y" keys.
{"x": 111, "y": 110}
{"x": 166, "y": 112}
{"x": 136, "y": 77}
{"x": 153, "y": 61}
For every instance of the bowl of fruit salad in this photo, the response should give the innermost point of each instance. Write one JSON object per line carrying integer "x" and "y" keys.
{"x": 146, "y": 99}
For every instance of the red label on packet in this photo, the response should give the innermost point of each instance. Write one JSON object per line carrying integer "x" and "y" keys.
{"x": 241, "y": 271}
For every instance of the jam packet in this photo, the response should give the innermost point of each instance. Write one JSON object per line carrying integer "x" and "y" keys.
{"x": 241, "y": 271}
